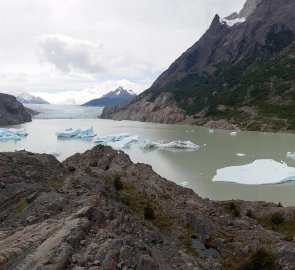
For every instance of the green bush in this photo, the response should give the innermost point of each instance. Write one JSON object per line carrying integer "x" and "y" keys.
{"x": 149, "y": 212}
{"x": 249, "y": 213}
{"x": 117, "y": 182}
{"x": 261, "y": 259}
{"x": 277, "y": 218}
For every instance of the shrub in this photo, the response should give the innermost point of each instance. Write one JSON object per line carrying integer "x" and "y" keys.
{"x": 236, "y": 212}
{"x": 117, "y": 182}
{"x": 149, "y": 212}
{"x": 71, "y": 169}
{"x": 261, "y": 259}
{"x": 232, "y": 206}
{"x": 249, "y": 213}
{"x": 277, "y": 218}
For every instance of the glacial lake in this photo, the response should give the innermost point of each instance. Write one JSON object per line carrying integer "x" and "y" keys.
{"x": 195, "y": 167}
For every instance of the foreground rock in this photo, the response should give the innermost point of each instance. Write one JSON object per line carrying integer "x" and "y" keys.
{"x": 12, "y": 112}
{"x": 98, "y": 210}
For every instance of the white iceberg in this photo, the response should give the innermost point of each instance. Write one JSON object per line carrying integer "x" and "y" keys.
{"x": 172, "y": 145}
{"x": 241, "y": 155}
{"x": 12, "y": 133}
{"x": 68, "y": 133}
{"x": 262, "y": 171}
{"x": 125, "y": 143}
{"x": 211, "y": 131}
{"x": 234, "y": 133}
{"x": 111, "y": 138}
{"x": 86, "y": 133}
{"x": 291, "y": 155}
{"x": 184, "y": 184}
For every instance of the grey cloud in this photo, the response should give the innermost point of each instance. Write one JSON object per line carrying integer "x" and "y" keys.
{"x": 71, "y": 55}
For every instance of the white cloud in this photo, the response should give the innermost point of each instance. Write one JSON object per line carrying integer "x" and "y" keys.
{"x": 71, "y": 55}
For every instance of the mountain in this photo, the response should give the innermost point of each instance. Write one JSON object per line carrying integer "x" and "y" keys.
{"x": 99, "y": 210}
{"x": 118, "y": 96}
{"x": 239, "y": 75}
{"x": 26, "y": 98}
{"x": 12, "y": 112}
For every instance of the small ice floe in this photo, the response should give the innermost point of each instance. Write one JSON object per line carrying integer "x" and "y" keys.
{"x": 54, "y": 153}
{"x": 291, "y": 155}
{"x": 241, "y": 155}
{"x": 111, "y": 138}
{"x": 172, "y": 145}
{"x": 76, "y": 133}
{"x": 68, "y": 133}
{"x": 211, "y": 131}
{"x": 125, "y": 143}
{"x": 262, "y": 171}
{"x": 234, "y": 133}
{"x": 12, "y": 133}
{"x": 184, "y": 184}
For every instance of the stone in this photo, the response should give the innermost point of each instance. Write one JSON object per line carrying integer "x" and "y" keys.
{"x": 147, "y": 263}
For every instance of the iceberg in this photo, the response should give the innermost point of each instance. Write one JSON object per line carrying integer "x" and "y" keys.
{"x": 87, "y": 133}
{"x": 211, "y": 131}
{"x": 111, "y": 138}
{"x": 68, "y": 133}
{"x": 259, "y": 172}
{"x": 291, "y": 155}
{"x": 234, "y": 133}
{"x": 184, "y": 184}
{"x": 241, "y": 155}
{"x": 76, "y": 133}
{"x": 12, "y": 133}
{"x": 125, "y": 143}
{"x": 172, "y": 145}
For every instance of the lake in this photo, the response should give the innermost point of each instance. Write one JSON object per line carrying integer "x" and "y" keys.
{"x": 195, "y": 167}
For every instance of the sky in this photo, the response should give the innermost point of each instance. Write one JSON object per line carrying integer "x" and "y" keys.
{"x": 76, "y": 50}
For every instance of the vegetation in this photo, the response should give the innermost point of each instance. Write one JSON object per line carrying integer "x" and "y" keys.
{"x": 21, "y": 205}
{"x": 57, "y": 183}
{"x": 117, "y": 182}
{"x": 149, "y": 212}
{"x": 277, "y": 218}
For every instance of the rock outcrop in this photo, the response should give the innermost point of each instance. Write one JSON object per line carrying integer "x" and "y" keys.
{"x": 98, "y": 210}
{"x": 12, "y": 112}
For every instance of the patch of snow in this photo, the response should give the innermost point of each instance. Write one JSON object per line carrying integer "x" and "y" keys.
{"x": 174, "y": 145}
{"x": 233, "y": 22}
{"x": 111, "y": 138}
{"x": 241, "y": 155}
{"x": 12, "y": 134}
{"x": 262, "y": 171}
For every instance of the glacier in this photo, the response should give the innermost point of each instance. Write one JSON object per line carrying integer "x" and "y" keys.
{"x": 259, "y": 172}
{"x": 147, "y": 144}
{"x": 12, "y": 134}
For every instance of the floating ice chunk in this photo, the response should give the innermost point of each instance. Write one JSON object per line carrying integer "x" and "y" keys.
{"x": 262, "y": 171}
{"x": 12, "y": 133}
{"x": 175, "y": 144}
{"x": 211, "y": 131}
{"x": 86, "y": 133}
{"x": 241, "y": 155}
{"x": 184, "y": 184}
{"x": 291, "y": 155}
{"x": 68, "y": 133}
{"x": 54, "y": 153}
{"x": 234, "y": 133}
{"x": 125, "y": 143}
{"x": 111, "y": 138}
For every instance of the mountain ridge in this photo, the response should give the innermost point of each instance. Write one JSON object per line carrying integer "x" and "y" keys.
{"x": 26, "y": 98}
{"x": 218, "y": 76}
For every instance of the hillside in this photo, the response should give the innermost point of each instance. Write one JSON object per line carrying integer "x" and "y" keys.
{"x": 98, "y": 210}
{"x": 118, "y": 96}
{"x": 12, "y": 112}
{"x": 240, "y": 74}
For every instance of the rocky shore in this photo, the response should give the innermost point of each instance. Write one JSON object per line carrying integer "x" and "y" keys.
{"x": 12, "y": 112}
{"x": 98, "y": 210}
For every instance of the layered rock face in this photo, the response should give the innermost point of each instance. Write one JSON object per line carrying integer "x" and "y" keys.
{"x": 98, "y": 210}
{"x": 235, "y": 64}
{"x": 12, "y": 112}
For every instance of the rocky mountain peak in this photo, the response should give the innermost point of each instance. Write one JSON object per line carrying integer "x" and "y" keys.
{"x": 248, "y": 8}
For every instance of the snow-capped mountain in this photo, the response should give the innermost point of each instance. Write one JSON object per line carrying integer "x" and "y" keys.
{"x": 26, "y": 98}
{"x": 118, "y": 96}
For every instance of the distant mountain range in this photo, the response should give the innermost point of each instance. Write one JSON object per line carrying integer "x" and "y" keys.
{"x": 239, "y": 75}
{"x": 118, "y": 96}
{"x": 26, "y": 98}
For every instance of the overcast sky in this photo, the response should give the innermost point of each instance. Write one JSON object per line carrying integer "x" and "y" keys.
{"x": 81, "y": 49}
